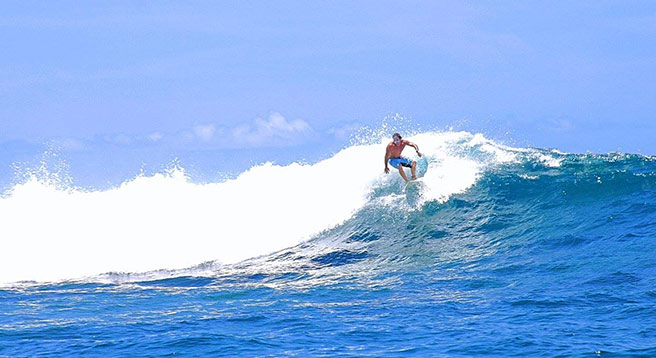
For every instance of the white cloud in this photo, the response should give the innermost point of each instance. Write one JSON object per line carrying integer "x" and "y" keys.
{"x": 122, "y": 139}
{"x": 155, "y": 136}
{"x": 275, "y": 131}
{"x": 68, "y": 144}
{"x": 345, "y": 131}
{"x": 205, "y": 132}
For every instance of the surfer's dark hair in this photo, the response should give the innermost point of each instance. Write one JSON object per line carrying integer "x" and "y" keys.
{"x": 396, "y": 135}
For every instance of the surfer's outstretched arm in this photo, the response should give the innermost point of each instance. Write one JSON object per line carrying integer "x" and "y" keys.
{"x": 387, "y": 156}
{"x": 416, "y": 148}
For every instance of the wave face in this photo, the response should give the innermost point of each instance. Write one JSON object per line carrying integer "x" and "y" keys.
{"x": 496, "y": 251}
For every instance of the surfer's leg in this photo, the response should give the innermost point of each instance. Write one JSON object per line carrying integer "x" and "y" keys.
{"x": 402, "y": 172}
{"x": 413, "y": 168}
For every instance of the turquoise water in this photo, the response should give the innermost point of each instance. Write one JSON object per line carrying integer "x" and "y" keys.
{"x": 546, "y": 254}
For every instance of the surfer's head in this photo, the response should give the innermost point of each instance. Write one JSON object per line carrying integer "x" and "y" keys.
{"x": 396, "y": 137}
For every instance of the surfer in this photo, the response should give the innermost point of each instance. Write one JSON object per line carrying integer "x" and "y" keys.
{"x": 393, "y": 156}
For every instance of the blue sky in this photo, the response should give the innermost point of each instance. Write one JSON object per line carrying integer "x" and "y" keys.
{"x": 177, "y": 76}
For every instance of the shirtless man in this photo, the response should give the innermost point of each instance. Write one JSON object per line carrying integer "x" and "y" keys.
{"x": 393, "y": 156}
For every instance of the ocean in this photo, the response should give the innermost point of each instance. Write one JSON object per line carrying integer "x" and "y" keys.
{"x": 497, "y": 251}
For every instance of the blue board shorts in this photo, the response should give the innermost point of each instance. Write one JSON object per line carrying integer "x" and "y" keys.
{"x": 403, "y": 161}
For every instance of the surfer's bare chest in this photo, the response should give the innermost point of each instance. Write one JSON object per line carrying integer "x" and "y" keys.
{"x": 395, "y": 150}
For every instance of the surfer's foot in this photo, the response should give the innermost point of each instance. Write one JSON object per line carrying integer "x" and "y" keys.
{"x": 414, "y": 177}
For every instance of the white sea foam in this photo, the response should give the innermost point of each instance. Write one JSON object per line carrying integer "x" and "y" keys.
{"x": 167, "y": 222}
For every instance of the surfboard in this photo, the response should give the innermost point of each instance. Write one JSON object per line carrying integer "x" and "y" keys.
{"x": 422, "y": 166}
{"x": 416, "y": 182}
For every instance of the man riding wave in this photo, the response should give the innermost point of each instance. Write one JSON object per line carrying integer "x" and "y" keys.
{"x": 393, "y": 156}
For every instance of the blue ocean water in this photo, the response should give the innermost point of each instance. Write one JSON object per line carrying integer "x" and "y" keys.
{"x": 500, "y": 252}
